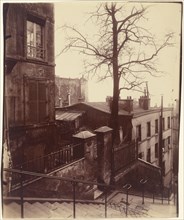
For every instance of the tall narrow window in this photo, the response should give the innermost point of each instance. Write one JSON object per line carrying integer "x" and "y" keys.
{"x": 163, "y": 144}
{"x": 163, "y": 123}
{"x": 168, "y": 122}
{"x": 148, "y": 129}
{"x": 138, "y": 132}
{"x": 156, "y": 150}
{"x": 163, "y": 168}
{"x": 169, "y": 140}
{"x": 156, "y": 126}
{"x": 149, "y": 155}
{"x": 35, "y": 47}
{"x": 37, "y": 101}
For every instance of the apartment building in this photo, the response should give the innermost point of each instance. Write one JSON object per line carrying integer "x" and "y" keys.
{"x": 148, "y": 131}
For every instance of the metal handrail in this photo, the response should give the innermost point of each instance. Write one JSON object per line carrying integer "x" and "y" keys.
{"x": 72, "y": 180}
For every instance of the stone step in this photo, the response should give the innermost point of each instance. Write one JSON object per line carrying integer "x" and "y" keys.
{"x": 62, "y": 210}
{"x": 57, "y": 210}
{"x": 11, "y": 210}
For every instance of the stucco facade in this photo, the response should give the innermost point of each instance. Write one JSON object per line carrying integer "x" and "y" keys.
{"x": 148, "y": 141}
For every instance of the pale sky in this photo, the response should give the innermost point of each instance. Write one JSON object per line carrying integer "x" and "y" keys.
{"x": 162, "y": 18}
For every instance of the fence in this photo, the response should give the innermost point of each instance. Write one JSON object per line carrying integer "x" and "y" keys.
{"x": 22, "y": 175}
{"x": 124, "y": 155}
{"x": 50, "y": 162}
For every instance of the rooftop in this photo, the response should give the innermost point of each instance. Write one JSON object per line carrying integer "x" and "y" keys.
{"x": 67, "y": 115}
{"x": 104, "y": 107}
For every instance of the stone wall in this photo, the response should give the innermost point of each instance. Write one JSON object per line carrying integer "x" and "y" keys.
{"x": 51, "y": 188}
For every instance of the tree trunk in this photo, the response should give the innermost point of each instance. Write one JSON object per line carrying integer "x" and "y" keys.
{"x": 115, "y": 107}
{"x": 115, "y": 100}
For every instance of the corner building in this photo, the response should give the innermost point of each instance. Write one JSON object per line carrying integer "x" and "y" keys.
{"x": 29, "y": 80}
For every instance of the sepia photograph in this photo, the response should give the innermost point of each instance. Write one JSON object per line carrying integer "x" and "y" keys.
{"x": 91, "y": 96}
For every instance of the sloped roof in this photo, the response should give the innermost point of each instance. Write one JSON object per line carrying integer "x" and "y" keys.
{"x": 104, "y": 107}
{"x": 137, "y": 111}
{"x": 67, "y": 116}
{"x": 103, "y": 129}
{"x": 84, "y": 135}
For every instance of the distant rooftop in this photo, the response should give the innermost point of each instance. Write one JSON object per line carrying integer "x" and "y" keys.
{"x": 104, "y": 107}
{"x": 137, "y": 111}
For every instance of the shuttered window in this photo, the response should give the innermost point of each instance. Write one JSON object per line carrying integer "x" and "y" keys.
{"x": 37, "y": 101}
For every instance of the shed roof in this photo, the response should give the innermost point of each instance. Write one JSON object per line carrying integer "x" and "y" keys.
{"x": 67, "y": 116}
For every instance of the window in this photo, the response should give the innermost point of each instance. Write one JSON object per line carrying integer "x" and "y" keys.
{"x": 148, "y": 129}
{"x": 156, "y": 150}
{"x": 156, "y": 126}
{"x": 138, "y": 132}
{"x": 163, "y": 168}
{"x": 37, "y": 101}
{"x": 141, "y": 155}
{"x": 163, "y": 123}
{"x": 163, "y": 144}
{"x": 169, "y": 140}
{"x": 149, "y": 155}
{"x": 35, "y": 40}
{"x": 168, "y": 122}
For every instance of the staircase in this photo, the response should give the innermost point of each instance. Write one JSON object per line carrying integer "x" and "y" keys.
{"x": 58, "y": 210}
{"x": 116, "y": 208}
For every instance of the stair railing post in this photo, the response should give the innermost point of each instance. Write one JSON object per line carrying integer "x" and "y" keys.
{"x": 143, "y": 182}
{"x": 105, "y": 202}
{"x": 162, "y": 195}
{"x": 127, "y": 187}
{"x": 74, "y": 199}
{"x": 168, "y": 195}
{"x": 154, "y": 195}
{"x": 21, "y": 194}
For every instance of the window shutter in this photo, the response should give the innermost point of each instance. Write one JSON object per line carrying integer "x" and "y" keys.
{"x": 42, "y": 101}
{"x": 33, "y": 111}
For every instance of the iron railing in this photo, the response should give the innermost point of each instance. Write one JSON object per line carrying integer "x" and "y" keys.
{"x": 74, "y": 182}
{"x": 50, "y": 162}
{"x": 123, "y": 207}
{"x": 35, "y": 52}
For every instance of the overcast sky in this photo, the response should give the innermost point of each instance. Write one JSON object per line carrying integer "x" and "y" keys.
{"x": 162, "y": 18}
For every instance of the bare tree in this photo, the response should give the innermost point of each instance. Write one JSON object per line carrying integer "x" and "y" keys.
{"x": 123, "y": 49}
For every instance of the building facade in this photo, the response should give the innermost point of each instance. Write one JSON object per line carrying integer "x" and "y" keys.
{"x": 147, "y": 132}
{"x": 29, "y": 80}
{"x": 70, "y": 91}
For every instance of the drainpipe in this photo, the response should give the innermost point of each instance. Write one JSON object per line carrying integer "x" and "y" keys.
{"x": 160, "y": 143}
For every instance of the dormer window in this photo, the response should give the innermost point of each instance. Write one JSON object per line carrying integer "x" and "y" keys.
{"x": 35, "y": 46}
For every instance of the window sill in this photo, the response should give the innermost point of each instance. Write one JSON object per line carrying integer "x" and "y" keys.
{"x": 27, "y": 126}
{"x": 32, "y": 59}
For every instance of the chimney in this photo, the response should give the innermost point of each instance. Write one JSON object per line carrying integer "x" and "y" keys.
{"x": 69, "y": 99}
{"x": 109, "y": 102}
{"x": 144, "y": 102}
{"x": 126, "y": 104}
